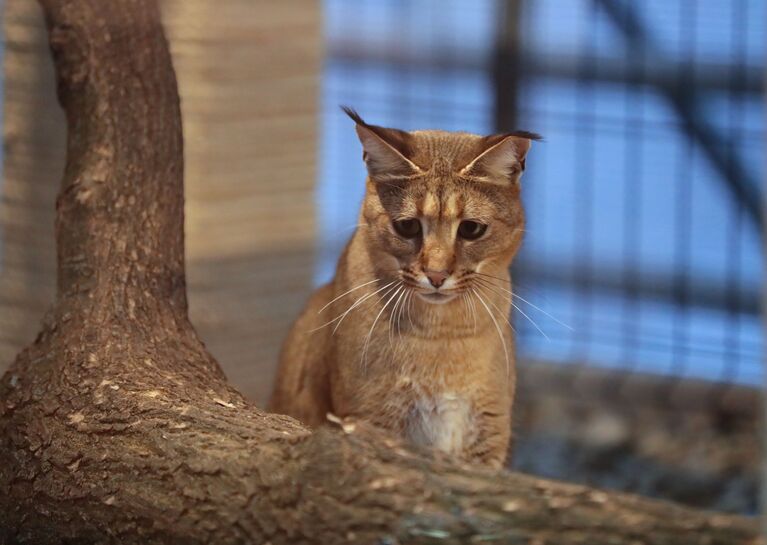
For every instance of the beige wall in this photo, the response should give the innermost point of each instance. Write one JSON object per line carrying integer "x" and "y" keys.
{"x": 248, "y": 76}
{"x": 33, "y": 161}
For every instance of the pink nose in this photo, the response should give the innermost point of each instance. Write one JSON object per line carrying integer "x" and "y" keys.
{"x": 437, "y": 278}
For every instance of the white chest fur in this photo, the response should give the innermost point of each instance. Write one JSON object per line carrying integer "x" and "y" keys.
{"x": 444, "y": 422}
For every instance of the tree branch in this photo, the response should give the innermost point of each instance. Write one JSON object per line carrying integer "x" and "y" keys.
{"x": 125, "y": 163}
{"x": 116, "y": 425}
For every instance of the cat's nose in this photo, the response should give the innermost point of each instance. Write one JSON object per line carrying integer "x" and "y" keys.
{"x": 436, "y": 278}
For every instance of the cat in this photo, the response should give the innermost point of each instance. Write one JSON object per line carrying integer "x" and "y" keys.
{"x": 411, "y": 334}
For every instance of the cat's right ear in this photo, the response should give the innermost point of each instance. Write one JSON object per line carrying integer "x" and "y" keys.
{"x": 385, "y": 151}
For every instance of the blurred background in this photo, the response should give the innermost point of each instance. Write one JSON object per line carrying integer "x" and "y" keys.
{"x": 639, "y": 335}
{"x": 644, "y": 212}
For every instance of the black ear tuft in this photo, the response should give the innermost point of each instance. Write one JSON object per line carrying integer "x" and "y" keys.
{"x": 398, "y": 139}
{"x": 386, "y": 151}
{"x": 352, "y": 113}
{"x": 526, "y": 134}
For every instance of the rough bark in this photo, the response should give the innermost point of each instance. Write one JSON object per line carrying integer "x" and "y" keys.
{"x": 116, "y": 425}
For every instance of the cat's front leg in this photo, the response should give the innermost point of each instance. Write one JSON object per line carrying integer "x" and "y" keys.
{"x": 491, "y": 444}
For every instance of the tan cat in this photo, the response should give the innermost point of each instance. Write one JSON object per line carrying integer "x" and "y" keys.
{"x": 411, "y": 334}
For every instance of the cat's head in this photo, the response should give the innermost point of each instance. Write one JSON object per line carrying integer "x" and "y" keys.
{"x": 441, "y": 208}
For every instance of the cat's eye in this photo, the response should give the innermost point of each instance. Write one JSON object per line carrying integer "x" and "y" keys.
{"x": 471, "y": 230}
{"x": 407, "y": 228}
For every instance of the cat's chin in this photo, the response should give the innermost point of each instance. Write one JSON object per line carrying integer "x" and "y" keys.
{"x": 437, "y": 298}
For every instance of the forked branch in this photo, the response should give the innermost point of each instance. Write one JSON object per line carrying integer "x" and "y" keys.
{"x": 117, "y": 426}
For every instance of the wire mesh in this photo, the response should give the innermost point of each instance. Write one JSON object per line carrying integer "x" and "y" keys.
{"x": 640, "y": 235}
{"x": 644, "y": 215}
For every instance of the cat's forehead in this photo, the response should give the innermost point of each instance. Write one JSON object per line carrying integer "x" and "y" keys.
{"x": 442, "y": 151}
{"x": 446, "y": 198}
{"x": 440, "y": 190}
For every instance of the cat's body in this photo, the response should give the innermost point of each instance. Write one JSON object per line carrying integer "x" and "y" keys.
{"x": 424, "y": 349}
{"x": 434, "y": 383}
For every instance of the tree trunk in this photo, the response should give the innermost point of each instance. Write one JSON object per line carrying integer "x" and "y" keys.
{"x": 248, "y": 79}
{"x": 116, "y": 425}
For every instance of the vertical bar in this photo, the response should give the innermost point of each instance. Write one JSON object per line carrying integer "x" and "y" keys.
{"x": 506, "y": 74}
{"x": 763, "y": 488}
{"x": 507, "y": 64}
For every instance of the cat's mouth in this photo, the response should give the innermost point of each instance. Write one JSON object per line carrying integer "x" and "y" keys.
{"x": 436, "y": 297}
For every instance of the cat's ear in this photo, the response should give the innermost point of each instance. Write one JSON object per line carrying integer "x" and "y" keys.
{"x": 385, "y": 151}
{"x": 501, "y": 157}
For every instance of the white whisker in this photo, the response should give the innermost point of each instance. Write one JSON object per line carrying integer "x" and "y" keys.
{"x": 408, "y": 293}
{"x": 351, "y": 307}
{"x": 390, "y": 285}
{"x": 347, "y": 293}
{"x": 542, "y": 311}
{"x": 467, "y": 303}
{"x": 500, "y": 311}
{"x": 530, "y": 320}
{"x": 409, "y": 305}
{"x": 367, "y": 338}
{"x": 506, "y": 280}
{"x": 392, "y": 314}
{"x": 474, "y": 313}
{"x": 489, "y": 284}
{"x": 498, "y": 329}
{"x": 495, "y": 288}
{"x": 518, "y": 309}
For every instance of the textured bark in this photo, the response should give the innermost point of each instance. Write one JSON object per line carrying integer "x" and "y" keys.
{"x": 116, "y": 425}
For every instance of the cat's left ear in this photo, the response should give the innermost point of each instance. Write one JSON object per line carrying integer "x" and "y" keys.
{"x": 386, "y": 151}
{"x": 501, "y": 157}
